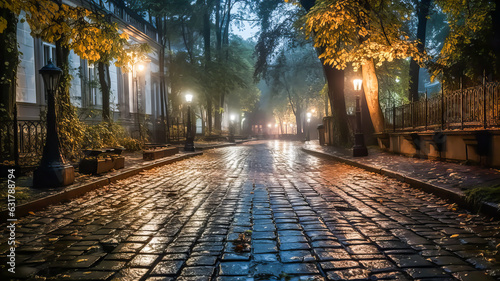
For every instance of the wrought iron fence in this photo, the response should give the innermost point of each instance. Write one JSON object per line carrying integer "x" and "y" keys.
{"x": 464, "y": 108}
{"x": 176, "y": 130}
{"x": 22, "y": 141}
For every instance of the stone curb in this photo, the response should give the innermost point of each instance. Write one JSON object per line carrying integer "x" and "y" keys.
{"x": 202, "y": 148}
{"x": 70, "y": 193}
{"x": 215, "y": 146}
{"x": 486, "y": 208}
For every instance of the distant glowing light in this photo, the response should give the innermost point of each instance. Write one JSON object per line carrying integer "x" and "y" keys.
{"x": 140, "y": 67}
{"x": 357, "y": 84}
{"x": 189, "y": 98}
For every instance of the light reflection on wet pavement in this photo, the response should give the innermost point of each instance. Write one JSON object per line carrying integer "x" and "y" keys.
{"x": 264, "y": 210}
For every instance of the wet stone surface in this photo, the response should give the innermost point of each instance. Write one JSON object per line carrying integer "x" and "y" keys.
{"x": 260, "y": 211}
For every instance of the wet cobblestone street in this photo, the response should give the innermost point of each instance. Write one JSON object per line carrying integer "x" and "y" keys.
{"x": 264, "y": 210}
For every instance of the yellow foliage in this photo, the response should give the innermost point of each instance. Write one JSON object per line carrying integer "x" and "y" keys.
{"x": 90, "y": 35}
{"x": 350, "y": 34}
{"x": 3, "y": 24}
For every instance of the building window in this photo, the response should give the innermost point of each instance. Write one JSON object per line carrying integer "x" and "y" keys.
{"x": 94, "y": 96}
{"x": 49, "y": 53}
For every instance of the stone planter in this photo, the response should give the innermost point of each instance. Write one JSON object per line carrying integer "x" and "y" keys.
{"x": 94, "y": 165}
{"x": 119, "y": 162}
{"x": 158, "y": 153}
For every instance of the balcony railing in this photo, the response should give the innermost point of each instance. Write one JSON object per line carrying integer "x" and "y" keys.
{"x": 473, "y": 107}
{"x": 130, "y": 17}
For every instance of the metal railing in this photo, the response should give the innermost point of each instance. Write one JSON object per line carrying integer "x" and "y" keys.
{"x": 132, "y": 18}
{"x": 464, "y": 108}
{"x": 176, "y": 130}
{"x": 22, "y": 141}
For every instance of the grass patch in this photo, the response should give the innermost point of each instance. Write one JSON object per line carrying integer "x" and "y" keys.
{"x": 486, "y": 193}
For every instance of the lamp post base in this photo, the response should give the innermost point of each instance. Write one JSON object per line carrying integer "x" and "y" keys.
{"x": 359, "y": 149}
{"x": 55, "y": 175}
{"x": 189, "y": 145}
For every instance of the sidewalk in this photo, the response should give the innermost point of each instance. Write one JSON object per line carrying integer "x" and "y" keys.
{"x": 29, "y": 199}
{"x": 447, "y": 180}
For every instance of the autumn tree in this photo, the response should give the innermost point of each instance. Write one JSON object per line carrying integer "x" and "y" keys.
{"x": 10, "y": 57}
{"x": 283, "y": 74}
{"x": 422, "y": 8}
{"x": 279, "y": 25}
{"x": 88, "y": 34}
{"x": 363, "y": 34}
{"x": 473, "y": 43}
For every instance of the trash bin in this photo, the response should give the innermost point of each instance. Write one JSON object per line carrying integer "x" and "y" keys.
{"x": 321, "y": 133}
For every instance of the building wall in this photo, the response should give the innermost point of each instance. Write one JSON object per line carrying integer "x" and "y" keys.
{"x": 26, "y": 74}
{"x": 458, "y": 146}
{"x": 30, "y": 93}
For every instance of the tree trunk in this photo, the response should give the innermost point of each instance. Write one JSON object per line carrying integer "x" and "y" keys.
{"x": 422, "y": 13}
{"x": 209, "y": 115}
{"x": 298, "y": 120}
{"x": 370, "y": 85}
{"x": 218, "y": 118}
{"x": 495, "y": 40}
{"x": 65, "y": 113}
{"x": 218, "y": 28}
{"x": 208, "y": 61}
{"x": 161, "y": 58}
{"x": 335, "y": 80}
{"x": 105, "y": 90}
{"x": 8, "y": 67}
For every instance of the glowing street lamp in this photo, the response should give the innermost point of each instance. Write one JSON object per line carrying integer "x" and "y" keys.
{"x": 358, "y": 84}
{"x": 189, "y": 145}
{"x": 308, "y": 136}
{"x": 359, "y": 148}
{"x": 53, "y": 171}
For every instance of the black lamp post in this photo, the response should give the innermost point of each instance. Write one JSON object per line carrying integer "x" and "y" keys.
{"x": 359, "y": 149}
{"x": 189, "y": 146}
{"x": 52, "y": 172}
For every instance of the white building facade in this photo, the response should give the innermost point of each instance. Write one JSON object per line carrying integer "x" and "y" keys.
{"x": 126, "y": 98}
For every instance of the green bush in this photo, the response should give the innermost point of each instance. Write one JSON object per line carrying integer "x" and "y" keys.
{"x": 131, "y": 144}
{"x": 107, "y": 134}
{"x": 488, "y": 194}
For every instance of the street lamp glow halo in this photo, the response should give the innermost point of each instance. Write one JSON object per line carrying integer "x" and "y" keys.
{"x": 357, "y": 84}
{"x": 309, "y": 114}
{"x": 189, "y": 98}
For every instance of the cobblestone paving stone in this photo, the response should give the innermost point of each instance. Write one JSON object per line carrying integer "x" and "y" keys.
{"x": 307, "y": 219}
